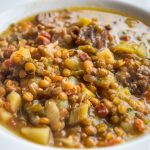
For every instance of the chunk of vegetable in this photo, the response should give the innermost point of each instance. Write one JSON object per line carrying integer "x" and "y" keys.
{"x": 73, "y": 80}
{"x": 70, "y": 84}
{"x": 72, "y": 63}
{"x": 39, "y": 135}
{"x": 5, "y": 116}
{"x": 106, "y": 56}
{"x": 24, "y": 52}
{"x": 124, "y": 93}
{"x": 69, "y": 142}
{"x": 125, "y": 48}
{"x": 88, "y": 92}
{"x": 84, "y": 21}
{"x": 52, "y": 112}
{"x": 142, "y": 50}
{"x": 127, "y": 126}
{"x": 63, "y": 104}
{"x": 132, "y": 48}
{"x": 78, "y": 114}
{"x": 105, "y": 82}
{"x": 88, "y": 49}
{"x": 15, "y": 101}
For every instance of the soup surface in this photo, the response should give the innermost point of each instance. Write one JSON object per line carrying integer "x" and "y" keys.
{"x": 76, "y": 78}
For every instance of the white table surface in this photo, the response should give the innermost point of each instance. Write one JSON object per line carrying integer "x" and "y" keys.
{"x": 6, "y": 4}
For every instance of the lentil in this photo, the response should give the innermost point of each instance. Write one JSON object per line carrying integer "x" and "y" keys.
{"x": 102, "y": 128}
{"x": 86, "y": 122}
{"x": 115, "y": 119}
{"x": 66, "y": 72}
{"x": 44, "y": 120}
{"x": 90, "y": 142}
{"x": 30, "y": 67}
{"x": 102, "y": 72}
{"x": 44, "y": 83}
{"x": 122, "y": 109}
{"x": 22, "y": 74}
{"x": 90, "y": 130}
{"x": 27, "y": 96}
{"x": 63, "y": 96}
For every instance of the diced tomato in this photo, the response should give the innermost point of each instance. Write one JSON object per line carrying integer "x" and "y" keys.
{"x": 42, "y": 40}
{"x": 13, "y": 123}
{"x": 8, "y": 63}
{"x": 110, "y": 142}
{"x": 139, "y": 125}
{"x": 102, "y": 110}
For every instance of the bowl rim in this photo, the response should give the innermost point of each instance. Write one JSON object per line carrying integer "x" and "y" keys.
{"x": 9, "y": 137}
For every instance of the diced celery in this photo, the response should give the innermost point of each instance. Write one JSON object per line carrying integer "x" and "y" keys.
{"x": 88, "y": 92}
{"x": 142, "y": 50}
{"x": 78, "y": 114}
{"x": 52, "y": 112}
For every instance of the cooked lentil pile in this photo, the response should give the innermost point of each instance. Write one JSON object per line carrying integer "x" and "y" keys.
{"x": 67, "y": 80}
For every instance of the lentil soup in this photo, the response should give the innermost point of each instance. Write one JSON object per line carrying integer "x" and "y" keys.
{"x": 76, "y": 78}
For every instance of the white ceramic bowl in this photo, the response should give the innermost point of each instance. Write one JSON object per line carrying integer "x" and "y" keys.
{"x": 9, "y": 141}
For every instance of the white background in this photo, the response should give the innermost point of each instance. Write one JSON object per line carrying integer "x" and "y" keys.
{"x": 6, "y": 4}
